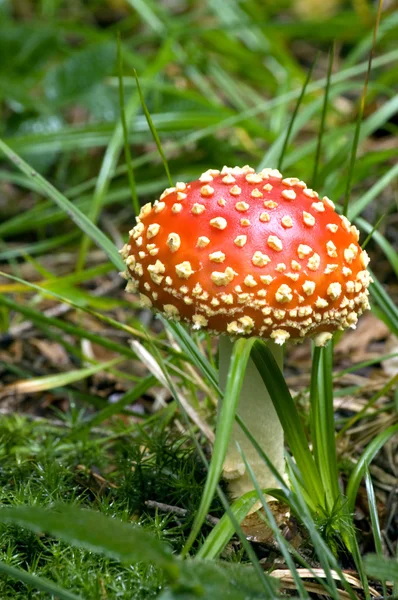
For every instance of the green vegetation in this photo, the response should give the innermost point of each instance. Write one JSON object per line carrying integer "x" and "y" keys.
{"x": 109, "y": 413}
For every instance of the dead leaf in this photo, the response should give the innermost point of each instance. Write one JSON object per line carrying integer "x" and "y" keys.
{"x": 286, "y": 579}
{"x": 355, "y": 342}
{"x": 52, "y": 351}
{"x": 390, "y": 366}
{"x": 255, "y": 527}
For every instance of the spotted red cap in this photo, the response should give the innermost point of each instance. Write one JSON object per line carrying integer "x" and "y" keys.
{"x": 248, "y": 253}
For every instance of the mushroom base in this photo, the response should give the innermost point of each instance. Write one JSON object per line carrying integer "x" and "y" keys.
{"x": 258, "y": 413}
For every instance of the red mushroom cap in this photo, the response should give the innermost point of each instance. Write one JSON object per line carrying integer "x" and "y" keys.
{"x": 248, "y": 253}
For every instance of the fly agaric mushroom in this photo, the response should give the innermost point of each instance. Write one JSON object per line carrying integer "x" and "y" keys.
{"x": 240, "y": 253}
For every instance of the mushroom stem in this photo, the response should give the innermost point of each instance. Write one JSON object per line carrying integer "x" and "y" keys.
{"x": 258, "y": 413}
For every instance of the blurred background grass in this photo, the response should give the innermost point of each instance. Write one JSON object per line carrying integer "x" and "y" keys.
{"x": 221, "y": 79}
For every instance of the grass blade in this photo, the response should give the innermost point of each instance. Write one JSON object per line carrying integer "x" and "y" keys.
{"x": 115, "y": 408}
{"x": 301, "y": 119}
{"x": 324, "y": 554}
{"x": 46, "y": 322}
{"x": 153, "y": 130}
{"x": 94, "y": 532}
{"x": 49, "y": 382}
{"x": 81, "y": 220}
{"x": 69, "y": 327}
{"x": 148, "y": 15}
{"x": 224, "y": 530}
{"x": 374, "y": 517}
{"x": 113, "y": 150}
{"x": 290, "y": 420}
{"x": 391, "y": 384}
{"x": 372, "y": 230}
{"x": 38, "y": 583}
{"x": 264, "y": 579}
{"x": 388, "y": 310}
{"x": 186, "y": 342}
{"x": 268, "y": 584}
{"x": 360, "y": 114}
{"x": 38, "y": 247}
{"x": 351, "y": 541}
{"x": 368, "y": 455}
{"x": 381, "y": 183}
{"x": 382, "y": 568}
{"x": 294, "y": 115}
{"x": 314, "y": 182}
{"x": 127, "y": 153}
{"x": 384, "y": 245}
{"x": 322, "y": 422}
{"x": 277, "y": 533}
{"x": 240, "y": 356}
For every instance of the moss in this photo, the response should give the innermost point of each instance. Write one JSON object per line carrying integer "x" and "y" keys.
{"x": 41, "y": 465}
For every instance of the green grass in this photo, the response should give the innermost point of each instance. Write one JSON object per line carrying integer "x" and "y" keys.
{"x": 87, "y": 127}
{"x": 42, "y": 466}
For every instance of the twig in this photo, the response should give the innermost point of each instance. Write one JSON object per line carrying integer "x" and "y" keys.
{"x": 176, "y": 510}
